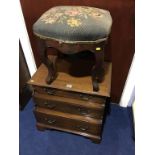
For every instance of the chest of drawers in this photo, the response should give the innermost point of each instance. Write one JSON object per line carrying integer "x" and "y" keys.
{"x": 75, "y": 109}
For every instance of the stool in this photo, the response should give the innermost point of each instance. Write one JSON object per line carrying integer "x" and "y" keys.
{"x": 73, "y": 29}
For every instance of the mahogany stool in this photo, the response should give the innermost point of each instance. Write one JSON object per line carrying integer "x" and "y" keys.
{"x": 73, "y": 29}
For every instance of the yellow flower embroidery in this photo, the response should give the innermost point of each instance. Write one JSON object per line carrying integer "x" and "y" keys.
{"x": 70, "y": 15}
{"x": 73, "y": 22}
{"x": 49, "y": 21}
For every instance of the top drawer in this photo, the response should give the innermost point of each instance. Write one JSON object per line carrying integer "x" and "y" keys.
{"x": 69, "y": 94}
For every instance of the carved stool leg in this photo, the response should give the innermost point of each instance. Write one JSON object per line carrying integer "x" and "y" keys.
{"x": 98, "y": 69}
{"x": 51, "y": 65}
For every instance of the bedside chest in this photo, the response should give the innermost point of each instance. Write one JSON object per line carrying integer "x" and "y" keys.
{"x": 70, "y": 104}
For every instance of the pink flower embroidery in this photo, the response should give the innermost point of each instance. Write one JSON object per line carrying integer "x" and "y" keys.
{"x": 72, "y": 12}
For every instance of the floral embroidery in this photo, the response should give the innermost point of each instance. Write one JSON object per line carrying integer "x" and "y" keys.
{"x": 73, "y": 22}
{"x": 96, "y": 14}
{"x": 72, "y": 12}
{"x": 72, "y": 16}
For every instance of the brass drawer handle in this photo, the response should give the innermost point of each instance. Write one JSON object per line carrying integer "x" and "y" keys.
{"x": 83, "y": 111}
{"x": 50, "y": 92}
{"x": 45, "y": 103}
{"x": 51, "y": 106}
{"x": 83, "y": 128}
{"x": 51, "y": 121}
{"x": 84, "y": 97}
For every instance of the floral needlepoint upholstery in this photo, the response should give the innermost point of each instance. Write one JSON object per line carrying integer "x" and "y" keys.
{"x": 74, "y": 24}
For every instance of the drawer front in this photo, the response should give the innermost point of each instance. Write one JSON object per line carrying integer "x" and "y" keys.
{"x": 69, "y": 94}
{"x": 65, "y": 123}
{"x": 65, "y": 106}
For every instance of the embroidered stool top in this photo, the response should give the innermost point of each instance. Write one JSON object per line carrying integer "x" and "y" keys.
{"x": 74, "y": 24}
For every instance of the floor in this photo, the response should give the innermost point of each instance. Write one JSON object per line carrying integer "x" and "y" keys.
{"x": 117, "y": 137}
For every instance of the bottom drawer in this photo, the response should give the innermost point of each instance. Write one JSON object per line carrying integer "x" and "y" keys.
{"x": 68, "y": 121}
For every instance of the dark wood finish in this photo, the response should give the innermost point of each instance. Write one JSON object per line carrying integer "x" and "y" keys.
{"x": 120, "y": 47}
{"x": 51, "y": 65}
{"x": 73, "y": 48}
{"x": 98, "y": 69}
{"x": 68, "y": 121}
{"x": 77, "y": 109}
{"x": 69, "y": 105}
{"x": 76, "y": 84}
{"x": 67, "y": 94}
{"x": 67, "y": 48}
{"x": 94, "y": 138}
{"x": 24, "y": 75}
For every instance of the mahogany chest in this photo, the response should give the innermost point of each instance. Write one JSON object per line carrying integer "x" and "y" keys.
{"x": 69, "y": 104}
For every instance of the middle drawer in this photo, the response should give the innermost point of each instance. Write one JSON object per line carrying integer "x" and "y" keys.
{"x": 68, "y": 105}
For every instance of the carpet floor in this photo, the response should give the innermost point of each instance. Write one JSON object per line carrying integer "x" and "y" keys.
{"x": 117, "y": 137}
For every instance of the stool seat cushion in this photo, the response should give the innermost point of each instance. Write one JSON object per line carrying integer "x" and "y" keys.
{"x": 74, "y": 24}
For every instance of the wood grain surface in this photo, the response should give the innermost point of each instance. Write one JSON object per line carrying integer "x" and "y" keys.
{"x": 67, "y": 105}
{"x": 67, "y": 82}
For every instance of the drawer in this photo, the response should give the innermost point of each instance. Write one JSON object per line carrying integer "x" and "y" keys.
{"x": 68, "y": 121}
{"x": 70, "y": 94}
{"x": 69, "y": 105}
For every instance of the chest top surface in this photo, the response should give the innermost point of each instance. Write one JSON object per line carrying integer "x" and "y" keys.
{"x": 65, "y": 81}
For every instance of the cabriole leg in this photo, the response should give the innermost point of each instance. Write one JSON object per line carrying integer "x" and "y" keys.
{"x": 51, "y": 65}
